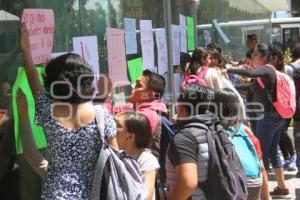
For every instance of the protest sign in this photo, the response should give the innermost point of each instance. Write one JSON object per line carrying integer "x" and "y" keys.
{"x": 147, "y": 44}
{"x": 176, "y": 44}
{"x": 130, "y": 35}
{"x": 116, "y": 55}
{"x": 183, "y": 39}
{"x": 190, "y": 33}
{"x": 40, "y": 26}
{"x": 135, "y": 68}
{"x": 162, "y": 52}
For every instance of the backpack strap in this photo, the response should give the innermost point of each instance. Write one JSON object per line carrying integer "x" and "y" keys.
{"x": 102, "y": 158}
{"x": 296, "y": 69}
{"x": 99, "y": 113}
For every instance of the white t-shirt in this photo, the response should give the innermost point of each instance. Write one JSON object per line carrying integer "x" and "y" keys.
{"x": 148, "y": 162}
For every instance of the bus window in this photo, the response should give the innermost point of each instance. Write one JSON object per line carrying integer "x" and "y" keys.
{"x": 290, "y": 35}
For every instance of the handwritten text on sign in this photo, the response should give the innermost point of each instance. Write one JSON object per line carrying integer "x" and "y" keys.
{"x": 40, "y": 26}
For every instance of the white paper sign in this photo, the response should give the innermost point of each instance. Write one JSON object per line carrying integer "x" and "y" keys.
{"x": 162, "y": 53}
{"x": 183, "y": 36}
{"x": 177, "y": 83}
{"x": 130, "y": 35}
{"x": 116, "y": 56}
{"x": 87, "y": 47}
{"x": 40, "y": 26}
{"x": 176, "y": 44}
{"x": 147, "y": 44}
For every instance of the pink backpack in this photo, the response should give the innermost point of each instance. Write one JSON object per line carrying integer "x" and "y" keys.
{"x": 285, "y": 103}
{"x": 199, "y": 79}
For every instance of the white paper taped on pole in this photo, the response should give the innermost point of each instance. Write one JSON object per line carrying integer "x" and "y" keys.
{"x": 130, "y": 35}
{"x": 176, "y": 44}
{"x": 162, "y": 53}
{"x": 87, "y": 47}
{"x": 183, "y": 35}
{"x": 147, "y": 44}
{"x": 116, "y": 56}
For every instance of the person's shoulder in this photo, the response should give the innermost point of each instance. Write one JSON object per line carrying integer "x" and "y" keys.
{"x": 148, "y": 161}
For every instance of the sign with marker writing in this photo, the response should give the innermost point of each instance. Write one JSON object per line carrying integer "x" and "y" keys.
{"x": 116, "y": 56}
{"x": 40, "y": 26}
{"x": 130, "y": 35}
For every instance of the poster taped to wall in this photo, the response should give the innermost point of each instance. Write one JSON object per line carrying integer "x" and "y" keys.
{"x": 116, "y": 56}
{"x": 40, "y": 27}
{"x": 162, "y": 52}
{"x": 176, "y": 44}
{"x": 130, "y": 35}
{"x": 183, "y": 39}
{"x": 87, "y": 47}
{"x": 147, "y": 44}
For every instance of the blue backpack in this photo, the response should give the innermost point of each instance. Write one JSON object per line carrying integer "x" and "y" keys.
{"x": 167, "y": 133}
{"x": 245, "y": 150}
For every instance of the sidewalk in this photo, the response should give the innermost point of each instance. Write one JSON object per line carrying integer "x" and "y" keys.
{"x": 292, "y": 183}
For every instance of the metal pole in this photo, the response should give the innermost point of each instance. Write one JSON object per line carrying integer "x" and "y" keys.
{"x": 168, "y": 22}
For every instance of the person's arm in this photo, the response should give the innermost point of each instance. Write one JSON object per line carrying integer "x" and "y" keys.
{"x": 243, "y": 86}
{"x": 30, "y": 69}
{"x": 259, "y": 72}
{"x": 149, "y": 181}
{"x": 186, "y": 183}
{"x": 183, "y": 155}
{"x": 30, "y": 151}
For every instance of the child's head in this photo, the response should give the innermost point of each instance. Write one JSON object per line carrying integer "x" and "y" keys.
{"x": 149, "y": 87}
{"x": 133, "y": 130}
{"x": 201, "y": 56}
{"x": 216, "y": 59}
{"x": 69, "y": 78}
{"x": 227, "y": 104}
{"x": 194, "y": 100}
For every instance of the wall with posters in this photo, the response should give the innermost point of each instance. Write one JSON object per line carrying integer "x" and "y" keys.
{"x": 75, "y": 18}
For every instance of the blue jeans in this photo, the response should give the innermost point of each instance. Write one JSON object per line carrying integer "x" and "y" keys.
{"x": 268, "y": 131}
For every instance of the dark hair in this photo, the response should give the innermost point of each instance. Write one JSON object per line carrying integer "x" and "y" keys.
{"x": 252, "y": 37}
{"x": 213, "y": 46}
{"x": 296, "y": 52}
{"x": 227, "y": 103}
{"x": 217, "y": 55}
{"x": 249, "y": 54}
{"x": 68, "y": 69}
{"x": 197, "y": 96}
{"x": 184, "y": 59}
{"x": 155, "y": 83}
{"x": 277, "y": 52}
{"x": 199, "y": 54}
{"x": 263, "y": 50}
{"x": 138, "y": 124}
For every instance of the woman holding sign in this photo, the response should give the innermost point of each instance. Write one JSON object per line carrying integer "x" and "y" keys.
{"x": 65, "y": 111}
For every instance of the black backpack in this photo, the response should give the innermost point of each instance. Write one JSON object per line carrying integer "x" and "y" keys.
{"x": 296, "y": 78}
{"x": 167, "y": 133}
{"x": 226, "y": 176}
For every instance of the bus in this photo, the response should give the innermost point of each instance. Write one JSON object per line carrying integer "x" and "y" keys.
{"x": 284, "y": 32}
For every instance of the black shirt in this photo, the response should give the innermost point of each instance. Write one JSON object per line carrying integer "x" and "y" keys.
{"x": 260, "y": 95}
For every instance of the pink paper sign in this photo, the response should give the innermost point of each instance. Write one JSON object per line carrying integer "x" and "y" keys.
{"x": 116, "y": 56}
{"x": 40, "y": 26}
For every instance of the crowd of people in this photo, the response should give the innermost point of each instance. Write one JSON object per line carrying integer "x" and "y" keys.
{"x": 213, "y": 118}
